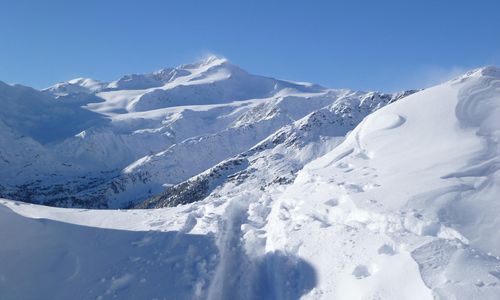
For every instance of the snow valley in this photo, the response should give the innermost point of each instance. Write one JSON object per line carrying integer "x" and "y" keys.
{"x": 206, "y": 182}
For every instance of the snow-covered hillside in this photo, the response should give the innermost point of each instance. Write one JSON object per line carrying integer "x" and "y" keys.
{"x": 261, "y": 189}
{"x": 411, "y": 196}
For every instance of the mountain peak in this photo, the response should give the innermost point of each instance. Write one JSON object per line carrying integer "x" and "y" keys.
{"x": 76, "y": 85}
{"x": 206, "y": 62}
{"x": 214, "y": 60}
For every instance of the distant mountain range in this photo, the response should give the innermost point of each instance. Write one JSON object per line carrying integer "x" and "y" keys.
{"x": 86, "y": 143}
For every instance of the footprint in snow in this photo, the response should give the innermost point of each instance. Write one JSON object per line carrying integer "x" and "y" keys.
{"x": 386, "y": 249}
{"x": 332, "y": 202}
{"x": 354, "y": 188}
{"x": 364, "y": 155}
{"x": 361, "y": 271}
{"x": 343, "y": 165}
{"x": 370, "y": 185}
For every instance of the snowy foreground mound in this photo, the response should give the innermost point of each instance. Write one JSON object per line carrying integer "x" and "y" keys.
{"x": 330, "y": 204}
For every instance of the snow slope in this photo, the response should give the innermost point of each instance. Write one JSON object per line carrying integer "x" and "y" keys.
{"x": 414, "y": 189}
{"x": 403, "y": 205}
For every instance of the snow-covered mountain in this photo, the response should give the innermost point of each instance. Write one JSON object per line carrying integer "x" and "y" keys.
{"x": 112, "y": 145}
{"x": 262, "y": 189}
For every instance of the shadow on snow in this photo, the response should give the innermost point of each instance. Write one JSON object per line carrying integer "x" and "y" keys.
{"x": 45, "y": 259}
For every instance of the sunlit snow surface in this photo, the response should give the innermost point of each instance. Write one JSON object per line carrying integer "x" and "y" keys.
{"x": 405, "y": 207}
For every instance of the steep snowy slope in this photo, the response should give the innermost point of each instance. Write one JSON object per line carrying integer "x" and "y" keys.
{"x": 412, "y": 192}
{"x": 404, "y": 207}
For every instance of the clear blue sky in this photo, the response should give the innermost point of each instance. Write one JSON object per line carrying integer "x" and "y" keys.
{"x": 381, "y": 45}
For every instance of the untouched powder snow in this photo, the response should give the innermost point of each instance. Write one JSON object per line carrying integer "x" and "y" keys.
{"x": 400, "y": 204}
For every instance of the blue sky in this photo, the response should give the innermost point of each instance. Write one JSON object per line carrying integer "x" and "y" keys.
{"x": 370, "y": 45}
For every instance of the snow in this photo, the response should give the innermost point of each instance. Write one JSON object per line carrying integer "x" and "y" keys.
{"x": 301, "y": 193}
{"x": 98, "y": 149}
{"x": 39, "y": 116}
{"x": 48, "y": 259}
{"x": 395, "y": 180}
{"x": 77, "y": 85}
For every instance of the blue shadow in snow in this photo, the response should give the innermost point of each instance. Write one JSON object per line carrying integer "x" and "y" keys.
{"x": 46, "y": 259}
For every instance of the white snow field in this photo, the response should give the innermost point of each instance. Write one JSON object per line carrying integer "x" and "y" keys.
{"x": 321, "y": 194}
